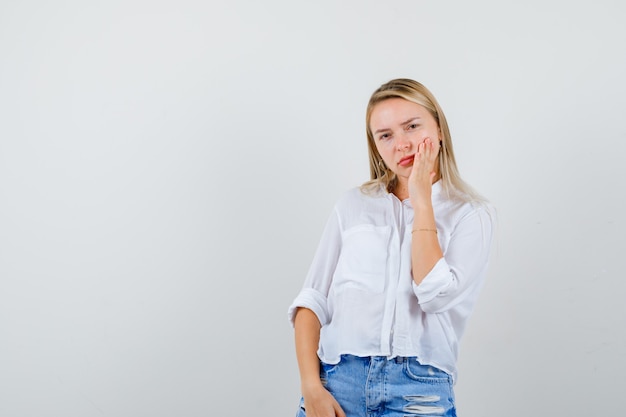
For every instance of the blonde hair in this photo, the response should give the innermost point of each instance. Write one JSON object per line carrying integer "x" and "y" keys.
{"x": 381, "y": 175}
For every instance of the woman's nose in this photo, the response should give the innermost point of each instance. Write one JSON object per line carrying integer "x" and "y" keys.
{"x": 403, "y": 143}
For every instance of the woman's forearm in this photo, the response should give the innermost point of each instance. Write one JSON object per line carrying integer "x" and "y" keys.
{"x": 425, "y": 249}
{"x": 307, "y": 334}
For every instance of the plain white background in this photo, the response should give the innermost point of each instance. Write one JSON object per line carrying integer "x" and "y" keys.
{"x": 166, "y": 169}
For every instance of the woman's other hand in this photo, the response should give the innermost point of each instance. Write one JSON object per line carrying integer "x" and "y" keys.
{"x": 318, "y": 402}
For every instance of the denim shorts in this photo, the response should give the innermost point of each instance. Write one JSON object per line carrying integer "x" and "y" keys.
{"x": 380, "y": 387}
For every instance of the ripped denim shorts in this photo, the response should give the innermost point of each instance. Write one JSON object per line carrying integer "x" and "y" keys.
{"x": 380, "y": 387}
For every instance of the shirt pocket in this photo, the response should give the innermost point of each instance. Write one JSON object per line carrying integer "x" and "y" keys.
{"x": 363, "y": 259}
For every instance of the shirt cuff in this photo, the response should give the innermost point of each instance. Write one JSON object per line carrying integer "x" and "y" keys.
{"x": 438, "y": 279}
{"x": 314, "y": 301}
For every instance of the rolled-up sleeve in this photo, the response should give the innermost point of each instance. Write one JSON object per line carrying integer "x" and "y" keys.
{"x": 457, "y": 276}
{"x": 314, "y": 293}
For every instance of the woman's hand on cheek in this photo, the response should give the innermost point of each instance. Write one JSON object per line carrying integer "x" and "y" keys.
{"x": 423, "y": 171}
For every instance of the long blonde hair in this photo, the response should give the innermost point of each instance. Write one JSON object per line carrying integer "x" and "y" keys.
{"x": 381, "y": 175}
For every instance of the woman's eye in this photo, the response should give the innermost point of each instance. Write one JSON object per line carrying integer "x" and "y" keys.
{"x": 384, "y": 136}
{"x": 412, "y": 126}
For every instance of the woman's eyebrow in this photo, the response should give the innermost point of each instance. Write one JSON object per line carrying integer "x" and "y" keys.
{"x": 412, "y": 119}
{"x": 386, "y": 129}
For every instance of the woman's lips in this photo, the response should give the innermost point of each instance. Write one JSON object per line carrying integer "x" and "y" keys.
{"x": 406, "y": 161}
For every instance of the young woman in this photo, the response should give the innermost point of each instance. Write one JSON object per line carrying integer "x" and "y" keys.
{"x": 397, "y": 272}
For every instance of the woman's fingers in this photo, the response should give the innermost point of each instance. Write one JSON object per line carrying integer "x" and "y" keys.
{"x": 423, "y": 171}
{"x": 429, "y": 150}
{"x": 426, "y": 156}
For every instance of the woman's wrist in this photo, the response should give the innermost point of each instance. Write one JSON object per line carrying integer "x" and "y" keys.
{"x": 310, "y": 383}
{"x": 424, "y": 229}
{"x": 421, "y": 199}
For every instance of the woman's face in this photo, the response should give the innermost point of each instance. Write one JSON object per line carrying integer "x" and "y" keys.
{"x": 398, "y": 126}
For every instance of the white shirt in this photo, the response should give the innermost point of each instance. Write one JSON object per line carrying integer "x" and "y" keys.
{"x": 360, "y": 284}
